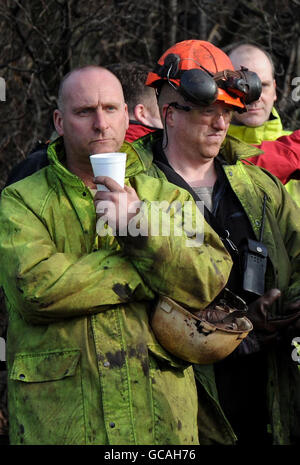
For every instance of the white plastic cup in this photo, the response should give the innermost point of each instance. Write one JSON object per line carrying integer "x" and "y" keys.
{"x": 111, "y": 164}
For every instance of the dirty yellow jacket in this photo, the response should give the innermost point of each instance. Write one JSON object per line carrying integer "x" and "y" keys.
{"x": 281, "y": 235}
{"x": 84, "y": 366}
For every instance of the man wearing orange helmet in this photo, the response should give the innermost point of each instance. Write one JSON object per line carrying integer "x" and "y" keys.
{"x": 198, "y": 90}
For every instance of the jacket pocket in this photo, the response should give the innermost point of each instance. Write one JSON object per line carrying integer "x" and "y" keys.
{"x": 45, "y": 398}
{"x": 45, "y": 366}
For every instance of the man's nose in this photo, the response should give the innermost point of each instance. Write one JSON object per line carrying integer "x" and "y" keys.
{"x": 99, "y": 121}
{"x": 219, "y": 121}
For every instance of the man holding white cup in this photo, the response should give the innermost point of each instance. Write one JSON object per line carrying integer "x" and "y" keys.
{"x": 84, "y": 366}
{"x": 112, "y": 165}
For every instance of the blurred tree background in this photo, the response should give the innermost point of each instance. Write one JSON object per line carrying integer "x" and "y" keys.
{"x": 41, "y": 40}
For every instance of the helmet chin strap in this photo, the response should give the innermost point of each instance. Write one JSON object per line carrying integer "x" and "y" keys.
{"x": 180, "y": 107}
{"x": 165, "y": 145}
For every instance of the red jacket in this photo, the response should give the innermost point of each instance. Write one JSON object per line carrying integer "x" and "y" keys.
{"x": 137, "y": 130}
{"x": 281, "y": 157}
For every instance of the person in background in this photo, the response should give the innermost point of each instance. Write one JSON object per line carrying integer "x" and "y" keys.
{"x": 143, "y": 110}
{"x": 252, "y": 396}
{"x": 262, "y": 122}
{"x": 145, "y": 118}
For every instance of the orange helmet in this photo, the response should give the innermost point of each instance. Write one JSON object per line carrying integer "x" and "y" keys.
{"x": 203, "y": 74}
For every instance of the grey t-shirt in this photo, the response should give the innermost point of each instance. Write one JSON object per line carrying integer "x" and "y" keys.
{"x": 204, "y": 193}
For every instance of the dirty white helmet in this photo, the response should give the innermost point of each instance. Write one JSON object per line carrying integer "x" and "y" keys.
{"x": 193, "y": 338}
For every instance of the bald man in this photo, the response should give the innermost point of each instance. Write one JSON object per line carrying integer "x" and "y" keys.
{"x": 262, "y": 122}
{"x": 259, "y": 61}
{"x": 84, "y": 366}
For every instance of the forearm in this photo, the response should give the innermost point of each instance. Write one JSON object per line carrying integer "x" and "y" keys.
{"x": 45, "y": 285}
{"x": 190, "y": 270}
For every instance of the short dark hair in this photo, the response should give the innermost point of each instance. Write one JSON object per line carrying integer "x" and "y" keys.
{"x": 133, "y": 77}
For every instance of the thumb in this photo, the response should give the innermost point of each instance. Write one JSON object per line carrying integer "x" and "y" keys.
{"x": 128, "y": 189}
{"x": 270, "y": 296}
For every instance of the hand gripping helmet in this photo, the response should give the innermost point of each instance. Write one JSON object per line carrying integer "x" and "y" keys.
{"x": 202, "y": 338}
{"x": 204, "y": 74}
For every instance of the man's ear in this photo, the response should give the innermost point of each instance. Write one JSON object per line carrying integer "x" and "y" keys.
{"x": 168, "y": 114}
{"x": 275, "y": 98}
{"x": 58, "y": 122}
{"x": 126, "y": 116}
{"x": 140, "y": 114}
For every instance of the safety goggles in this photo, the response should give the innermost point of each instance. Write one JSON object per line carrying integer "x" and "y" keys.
{"x": 207, "y": 111}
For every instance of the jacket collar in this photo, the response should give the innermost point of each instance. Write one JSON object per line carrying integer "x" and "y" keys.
{"x": 56, "y": 156}
{"x": 232, "y": 149}
{"x": 138, "y": 160}
{"x": 137, "y": 130}
{"x": 270, "y": 130}
{"x": 140, "y": 153}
